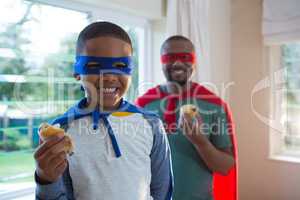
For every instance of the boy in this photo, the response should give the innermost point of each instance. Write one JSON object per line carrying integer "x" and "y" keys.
{"x": 121, "y": 151}
{"x": 202, "y": 147}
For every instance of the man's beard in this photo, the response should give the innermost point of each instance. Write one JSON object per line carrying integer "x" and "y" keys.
{"x": 180, "y": 83}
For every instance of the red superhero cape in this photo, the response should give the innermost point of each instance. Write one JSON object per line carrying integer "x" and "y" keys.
{"x": 224, "y": 187}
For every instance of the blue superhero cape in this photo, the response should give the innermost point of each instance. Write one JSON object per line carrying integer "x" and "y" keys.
{"x": 78, "y": 111}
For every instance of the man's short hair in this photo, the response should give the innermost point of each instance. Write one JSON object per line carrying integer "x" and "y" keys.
{"x": 176, "y": 38}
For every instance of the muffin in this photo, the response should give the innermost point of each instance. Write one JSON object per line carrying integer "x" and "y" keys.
{"x": 47, "y": 130}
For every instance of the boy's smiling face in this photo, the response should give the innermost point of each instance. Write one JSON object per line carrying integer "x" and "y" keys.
{"x": 106, "y": 89}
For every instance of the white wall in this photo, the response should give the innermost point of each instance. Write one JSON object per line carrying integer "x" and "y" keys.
{"x": 260, "y": 178}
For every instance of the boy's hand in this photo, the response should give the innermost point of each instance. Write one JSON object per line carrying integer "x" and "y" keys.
{"x": 51, "y": 159}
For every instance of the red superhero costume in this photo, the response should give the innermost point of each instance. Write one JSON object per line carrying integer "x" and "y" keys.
{"x": 225, "y": 187}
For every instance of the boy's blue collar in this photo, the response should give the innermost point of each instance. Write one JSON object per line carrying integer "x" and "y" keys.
{"x": 79, "y": 110}
{"x": 123, "y": 107}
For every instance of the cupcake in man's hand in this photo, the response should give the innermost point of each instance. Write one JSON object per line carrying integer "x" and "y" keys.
{"x": 190, "y": 110}
{"x": 188, "y": 114}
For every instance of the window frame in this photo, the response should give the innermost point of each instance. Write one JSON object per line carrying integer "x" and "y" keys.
{"x": 277, "y": 130}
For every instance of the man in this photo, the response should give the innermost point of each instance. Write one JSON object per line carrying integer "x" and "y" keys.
{"x": 202, "y": 147}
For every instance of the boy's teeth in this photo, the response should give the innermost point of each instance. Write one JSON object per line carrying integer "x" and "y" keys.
{"x": 109, "y": 90}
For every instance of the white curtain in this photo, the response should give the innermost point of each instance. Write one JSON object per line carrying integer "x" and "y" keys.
{"x": 281, "y": 21}
{"x": 190, "y": 18}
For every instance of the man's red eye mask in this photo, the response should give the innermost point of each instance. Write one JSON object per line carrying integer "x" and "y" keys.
{"x": 182, "y": 57}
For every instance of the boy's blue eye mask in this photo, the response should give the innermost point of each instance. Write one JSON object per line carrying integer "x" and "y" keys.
{"x": 86, "y": 65}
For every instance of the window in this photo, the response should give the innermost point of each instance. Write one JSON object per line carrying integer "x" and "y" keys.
{"x": 291, "y": 63}
{"x": 36, "y": 58}
{"x": 285, "y": 140}
{"x": 37, "y": 51}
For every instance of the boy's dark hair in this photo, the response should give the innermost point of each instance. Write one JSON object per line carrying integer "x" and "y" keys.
{"x": 101, "y": 29}
{"x": 177, "y": 38}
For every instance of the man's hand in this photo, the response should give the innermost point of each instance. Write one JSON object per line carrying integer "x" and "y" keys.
{"x": 216, "y": 160}
{"x": 192, "y": 129}
{"x": 51, "y": 159}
